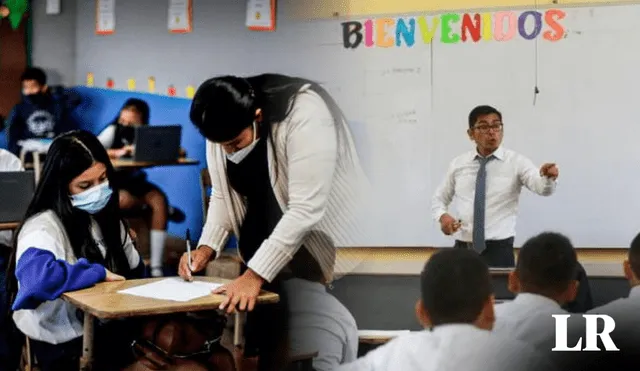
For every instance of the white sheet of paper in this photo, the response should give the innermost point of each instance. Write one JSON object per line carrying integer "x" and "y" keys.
{"x": 382, "y": 333}
{"x": 175, "y": 289}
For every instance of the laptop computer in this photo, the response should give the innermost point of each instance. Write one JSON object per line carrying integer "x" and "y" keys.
{"x": 16, "y": 191}
{"x": 157, "y": 143}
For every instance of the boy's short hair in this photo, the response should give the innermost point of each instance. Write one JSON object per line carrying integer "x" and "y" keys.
{"x": 547, "y": 263}
{"x": 455, "y": 286}
{"x": 634, "y": 256}
{"x": 34, "y": 73}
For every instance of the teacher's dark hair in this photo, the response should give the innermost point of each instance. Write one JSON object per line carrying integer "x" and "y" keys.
{"x": 226, "y": 105}
{"x": 69, "y": 156}
{"x": 478, "y": 111}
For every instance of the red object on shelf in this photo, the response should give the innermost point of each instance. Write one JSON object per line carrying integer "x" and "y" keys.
{"x": 171, "y": 91}
{"x": 110, "y": 84}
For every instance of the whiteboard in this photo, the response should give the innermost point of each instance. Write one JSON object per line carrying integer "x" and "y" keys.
{"x": 409, "y": 106}
{"x": 413, "y": 104}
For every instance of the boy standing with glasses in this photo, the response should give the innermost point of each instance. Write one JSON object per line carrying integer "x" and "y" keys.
{"x": 486, "y": 183}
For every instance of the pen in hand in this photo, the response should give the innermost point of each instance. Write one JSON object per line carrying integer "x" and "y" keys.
{"x": 189, "y": 261}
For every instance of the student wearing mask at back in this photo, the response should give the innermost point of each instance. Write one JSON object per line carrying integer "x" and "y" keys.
{"x": 43, "y": 113}
{"x": 544, "y": 280}
{"x": 456, "y": 310}
{"x": 9, "y": 353}
{"x": 72, "y": 238}
{"x": 135, "y": 190}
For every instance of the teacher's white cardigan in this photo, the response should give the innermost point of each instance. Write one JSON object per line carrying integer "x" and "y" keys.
{"x": 319, "y": 185}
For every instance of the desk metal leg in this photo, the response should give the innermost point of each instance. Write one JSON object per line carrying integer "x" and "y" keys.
{"x": 237, "y": 329}
{"x": 86, "y": 362}
{"x": 36, "y": 165}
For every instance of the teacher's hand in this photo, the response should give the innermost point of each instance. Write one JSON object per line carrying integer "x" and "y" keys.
{"x": 549, "y": 171}
{"x": 449, "y": 225}
{"x": 199, "y": 260}
{"x": 241, "y": 293}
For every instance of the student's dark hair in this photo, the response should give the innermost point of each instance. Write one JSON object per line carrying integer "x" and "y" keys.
{"x": 138, "y": 105}
{"x": 479, "y": 111}
{"x": 547, "y": 263}
{"x": 455, "y": 285}
{"x": 634, "y": 255}
{"x": 70, "y": 155}
{"x": 34, "y": 73}
{"x": 224, "y": 106}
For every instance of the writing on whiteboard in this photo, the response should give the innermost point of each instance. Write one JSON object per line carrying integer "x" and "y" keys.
{"x": 390, "y": 80}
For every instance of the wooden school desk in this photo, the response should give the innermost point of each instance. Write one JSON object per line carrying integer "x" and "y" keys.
{"x": 9, "y": 226}
{"x": 131, "y": 164}
{"x": 103, "y": 301}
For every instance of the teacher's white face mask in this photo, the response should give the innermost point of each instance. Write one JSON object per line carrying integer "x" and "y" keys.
{"x": 239, "y": 155}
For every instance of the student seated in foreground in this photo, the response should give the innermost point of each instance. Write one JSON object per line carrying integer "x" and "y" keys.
{"x": 135, "y": 190}
{"x": 72, "y": 238}
{"x": 456, "y": 310}
{"x": 544, "y": 279}
{"x": 318, "y": 322}
{"x": 9, "y": 336}
{"x": 630, "y": 305}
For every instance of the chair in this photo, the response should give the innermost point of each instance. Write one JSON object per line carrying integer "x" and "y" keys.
{"x": 302, "y": 362}
{"x": 28, "y": 361}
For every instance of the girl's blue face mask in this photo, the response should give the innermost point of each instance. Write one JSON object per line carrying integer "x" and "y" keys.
{"x": 94, "y": 199}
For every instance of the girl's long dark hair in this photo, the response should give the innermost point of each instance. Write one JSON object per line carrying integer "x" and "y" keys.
{"x": 69, "y": 156}
{"x": 128, "y": 133}
{"x": 137, "y": 105}
{"x": 224, "y": 106}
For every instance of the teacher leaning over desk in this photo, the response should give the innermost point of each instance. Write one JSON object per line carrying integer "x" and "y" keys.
{"x": 283, "y": 168}
{"x": 487, "y": 182}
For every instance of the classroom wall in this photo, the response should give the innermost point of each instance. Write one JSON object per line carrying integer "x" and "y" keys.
{"x": 142, "y": 47}
{"x": 54, "y": 41}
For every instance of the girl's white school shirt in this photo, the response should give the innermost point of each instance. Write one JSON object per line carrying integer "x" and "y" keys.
{"x": 56, "y": 321}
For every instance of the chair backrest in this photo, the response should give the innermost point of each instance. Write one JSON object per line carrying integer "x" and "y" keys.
{"x": 302, "y": 362}
{"x": 205, "y": 188}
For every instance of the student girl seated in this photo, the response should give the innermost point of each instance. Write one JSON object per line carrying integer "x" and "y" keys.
{"x": 72, "y": 237}
{"x": 135, "y": 190}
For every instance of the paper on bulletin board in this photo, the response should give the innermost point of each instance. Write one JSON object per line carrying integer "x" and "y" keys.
{"x": 105, "y": 17}
{"x": 180, "y": 16}
{"x": 261, "y": 15}
{"x": 53, "y": 7}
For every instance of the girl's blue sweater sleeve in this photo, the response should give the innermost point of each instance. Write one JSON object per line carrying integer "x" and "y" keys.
{"x": 42, "y": 277}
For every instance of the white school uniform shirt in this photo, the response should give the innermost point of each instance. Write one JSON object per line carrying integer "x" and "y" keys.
{"x": 107, "y": 136}
{"x": 529, "y": 317}
{"x": 506, "y": 175}
{"x": 319, "y": 184}
{"x": 453, "y": 347}
{"x": 626, "y": 314}
{"x": 318, "y": 322}
{"x": 8, "y": 162}
{"x": 56, "y": 321}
